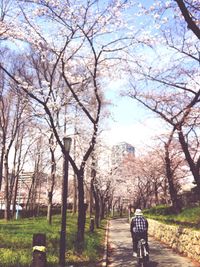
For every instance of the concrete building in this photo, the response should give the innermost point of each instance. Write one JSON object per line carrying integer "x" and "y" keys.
{"x": 120, "y": 152}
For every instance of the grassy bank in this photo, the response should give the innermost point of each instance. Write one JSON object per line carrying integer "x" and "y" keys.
{"x": 188, "y": 217}
{"x": 16, "y": 242}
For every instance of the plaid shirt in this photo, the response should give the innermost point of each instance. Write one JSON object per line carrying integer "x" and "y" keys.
{"x": 139, "y": 224}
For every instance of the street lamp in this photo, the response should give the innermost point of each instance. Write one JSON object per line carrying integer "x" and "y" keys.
{"x": 67, "y": 144}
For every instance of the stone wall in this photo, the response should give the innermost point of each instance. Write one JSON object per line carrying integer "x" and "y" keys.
{"x": 181, "y": 239}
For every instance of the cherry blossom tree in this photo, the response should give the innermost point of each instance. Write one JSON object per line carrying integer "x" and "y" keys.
{"x": 164, "y": 75}
{"x": 73, "y": 57}
{"x": 175, "y": 167}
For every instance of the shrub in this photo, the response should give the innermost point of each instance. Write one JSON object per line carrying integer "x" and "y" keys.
{"x": 160, "y": 210}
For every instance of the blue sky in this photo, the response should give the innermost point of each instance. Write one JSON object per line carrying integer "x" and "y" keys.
{"x": 130, "y": 121}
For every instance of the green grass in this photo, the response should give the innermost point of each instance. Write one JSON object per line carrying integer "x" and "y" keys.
{"x": 188, "y": 217}
{"x": 16, "y": 241}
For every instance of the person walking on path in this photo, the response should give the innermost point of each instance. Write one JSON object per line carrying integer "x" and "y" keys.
{"x": 139, "y": 230}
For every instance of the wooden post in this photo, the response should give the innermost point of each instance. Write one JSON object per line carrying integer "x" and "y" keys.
{"x": 39, "y": 251}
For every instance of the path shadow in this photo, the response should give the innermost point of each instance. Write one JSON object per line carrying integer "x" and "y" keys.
{"x": 153, "y": 264}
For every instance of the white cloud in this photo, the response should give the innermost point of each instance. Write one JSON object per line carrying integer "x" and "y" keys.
{"x": 138, "y": 134}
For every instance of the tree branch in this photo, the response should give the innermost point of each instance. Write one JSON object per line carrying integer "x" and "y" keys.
{"x": 191, "y": 24}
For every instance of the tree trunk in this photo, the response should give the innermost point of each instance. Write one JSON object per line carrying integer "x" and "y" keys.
{"x": 15, "y": 195}
{"x": 173, "y": 194}
{"x": 97, "y": 207}
{"x": 96, "y": 199}
{"x": 17, "y": 166}
{"x": 49, "y": 208}
{"x": 194, "y": 168}
{"x": 6, "y": 197}
{"x": 97, "y": 212}
{"x": 165, "y": 191}
{"x": 75, "y": 176}
{"x": 38, "y": 200}
{"x": 156, "y": 193}
{"x": 1, "y": 165}
{"x": 102, "y": 216}
{"x": 13, "y": 178}
{"x": 81, "y": 212}
{"x": 188, "y": 18}
{"x": 91, "y": 200}
{"x": 74, "y": 194}
{"x": 50, "y": 193}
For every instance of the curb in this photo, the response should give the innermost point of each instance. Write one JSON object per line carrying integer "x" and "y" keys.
{"x": 105, "y": 256}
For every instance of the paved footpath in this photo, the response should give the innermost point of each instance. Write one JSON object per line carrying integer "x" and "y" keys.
{"x": 120, "y": 250}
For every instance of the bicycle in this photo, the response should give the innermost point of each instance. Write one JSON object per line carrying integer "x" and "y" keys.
{"x": 142, "y": 253}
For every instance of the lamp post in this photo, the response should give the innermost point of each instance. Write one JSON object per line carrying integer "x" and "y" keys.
{"x": 67, "y": 145}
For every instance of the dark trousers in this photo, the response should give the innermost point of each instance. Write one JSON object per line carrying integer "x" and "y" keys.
{"x": 136, "y": 237}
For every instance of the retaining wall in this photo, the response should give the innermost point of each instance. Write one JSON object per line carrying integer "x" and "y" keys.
{"x": 183, "y": 240}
